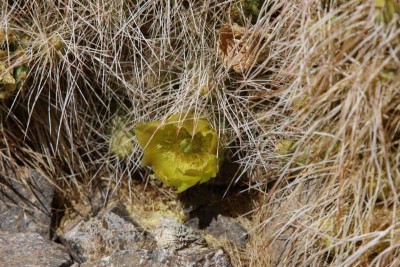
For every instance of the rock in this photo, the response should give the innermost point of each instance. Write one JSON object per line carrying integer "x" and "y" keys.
{"x": 171, "y": 234}
{"x": 108, "y": 232}
{"x": 25, "y": 202}
{"x": 164, "y": 258}
{"x": 31, "y": 249}
{"x": 216, "y": 258}
{"x": 217, "y": 225}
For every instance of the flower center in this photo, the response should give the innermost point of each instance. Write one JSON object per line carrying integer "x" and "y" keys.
{"x": 186, "y": 145}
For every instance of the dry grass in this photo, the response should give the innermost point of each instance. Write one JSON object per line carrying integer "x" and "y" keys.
{"x": 305, "y": 98}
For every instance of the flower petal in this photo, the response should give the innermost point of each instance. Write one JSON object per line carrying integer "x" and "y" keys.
{"x": 182, "y": 153}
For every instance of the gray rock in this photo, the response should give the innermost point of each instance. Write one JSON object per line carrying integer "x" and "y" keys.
{"x": 164, "y": 258}
{"x": 210, "y": 222}
{"x": 31, "y": 249}
{"x": 174, "y": 235}
{"x": 109, "y": 232}
{"x": 25, "y": 202}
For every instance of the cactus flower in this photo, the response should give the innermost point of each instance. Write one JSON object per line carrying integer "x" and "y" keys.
{"x": 181, "y": 152}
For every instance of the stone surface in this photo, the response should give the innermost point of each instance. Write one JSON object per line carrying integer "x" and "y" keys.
{"x": 31, "y": 249}
{"x": 164, "y": 258}
{"x": 174, "y": 235}
{"x": 217, "y": 225}
{"x": 108, "y": 232}
{"x": 25, "y": 202}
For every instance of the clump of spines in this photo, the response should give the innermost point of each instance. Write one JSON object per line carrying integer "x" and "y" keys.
{"x": 318, "y": 110}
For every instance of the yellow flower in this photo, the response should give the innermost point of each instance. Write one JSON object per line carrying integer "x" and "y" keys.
{"x": 181, "y": 151}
